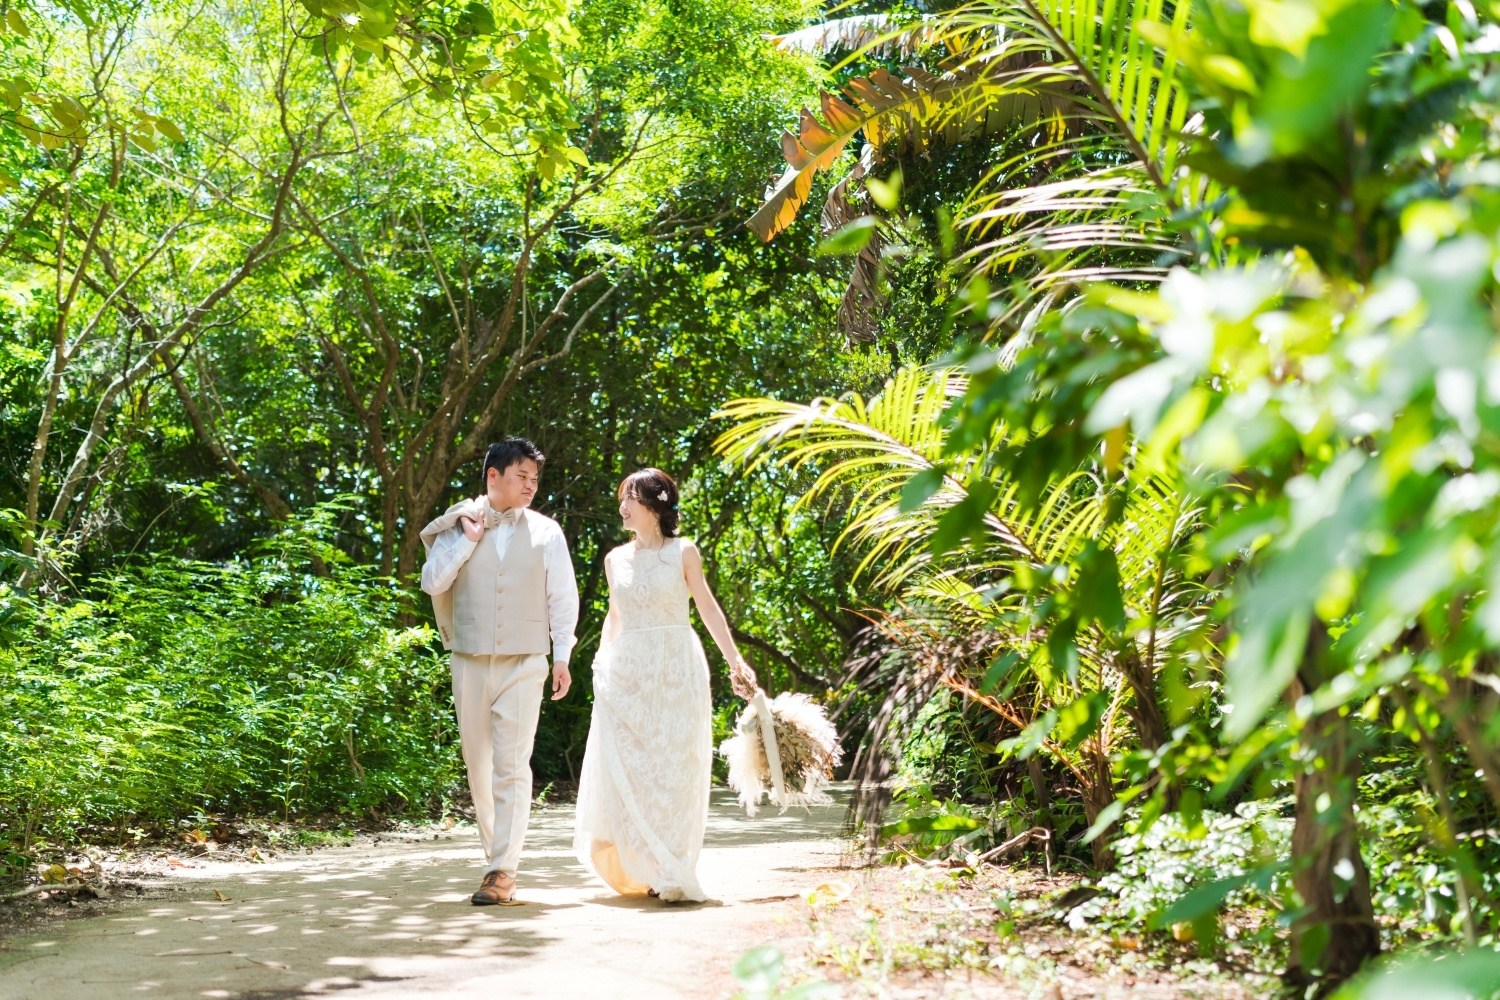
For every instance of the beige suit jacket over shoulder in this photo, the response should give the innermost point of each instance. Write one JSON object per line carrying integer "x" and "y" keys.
{"x": 495, "y": 606}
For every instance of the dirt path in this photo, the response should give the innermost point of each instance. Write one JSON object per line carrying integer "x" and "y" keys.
{"x": 395, "y": 921}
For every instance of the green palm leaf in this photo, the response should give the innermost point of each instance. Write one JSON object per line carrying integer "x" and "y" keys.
{"x": 1109, "y": 45}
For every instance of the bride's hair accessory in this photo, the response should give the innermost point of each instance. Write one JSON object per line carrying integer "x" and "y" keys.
{"x": 657, "y": 492}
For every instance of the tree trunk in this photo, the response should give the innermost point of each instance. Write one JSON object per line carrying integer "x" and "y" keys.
{"x": 389, "y": 526}
{"x": 1144, "y": 710}
{"x": 1043, "y": 816}
{"x": 1337, "y": 934}
{"x": 67, "y": 292}
{"x": 419, "y": 507}
{"x": 39, "y": 453}
{"x": 1098, "y": 795}
{"x": 1467, "y": 706}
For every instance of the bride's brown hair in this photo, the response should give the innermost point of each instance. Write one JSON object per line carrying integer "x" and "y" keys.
{"x": 657, "y": 492}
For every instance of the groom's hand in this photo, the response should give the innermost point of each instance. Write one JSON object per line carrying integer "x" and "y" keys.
{"x": 473, "y": 530}
{"x": 561, "y": 679}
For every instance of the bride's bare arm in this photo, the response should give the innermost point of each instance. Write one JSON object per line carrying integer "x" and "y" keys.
{"x": 611, "y": 624}
{"x": 741, "y": 677}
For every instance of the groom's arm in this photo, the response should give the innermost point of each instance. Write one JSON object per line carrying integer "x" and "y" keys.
{"x": 562, "y": 605}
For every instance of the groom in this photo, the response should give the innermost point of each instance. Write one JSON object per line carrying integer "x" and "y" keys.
{"x": 502, "y": 591}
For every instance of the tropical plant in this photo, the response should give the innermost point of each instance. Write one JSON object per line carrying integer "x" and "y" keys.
{"x": 1095, "y": 116}
{"x": 1314, "y": 383}
{"x": 1078, "y": 595}
{"x": 1312, "y": 417}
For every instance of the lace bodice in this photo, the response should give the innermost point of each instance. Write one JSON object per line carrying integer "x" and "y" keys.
{"x": 648, "y": 585}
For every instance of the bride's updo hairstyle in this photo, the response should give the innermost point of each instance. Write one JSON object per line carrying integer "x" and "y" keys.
{"x": 657, "y": 492}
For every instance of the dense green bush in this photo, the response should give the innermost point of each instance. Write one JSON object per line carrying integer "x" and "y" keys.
{"x": 183, "y": 686}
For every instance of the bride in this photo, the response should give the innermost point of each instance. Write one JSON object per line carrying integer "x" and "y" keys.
{"x": 643, "y": 792}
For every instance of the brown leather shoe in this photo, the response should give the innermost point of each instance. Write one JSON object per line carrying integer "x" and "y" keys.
{"x": 497, "y": 887}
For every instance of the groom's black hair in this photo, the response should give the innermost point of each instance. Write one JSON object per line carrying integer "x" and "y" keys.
{"x": 503, "y": 454}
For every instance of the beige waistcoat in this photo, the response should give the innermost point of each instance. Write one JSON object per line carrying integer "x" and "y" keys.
{"x": 498, "y": 606}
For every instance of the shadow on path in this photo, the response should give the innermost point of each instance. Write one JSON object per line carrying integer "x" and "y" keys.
{"x": 395, "y": 920}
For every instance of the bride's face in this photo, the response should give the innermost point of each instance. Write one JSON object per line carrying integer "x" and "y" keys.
{"x": 636, "y": 516}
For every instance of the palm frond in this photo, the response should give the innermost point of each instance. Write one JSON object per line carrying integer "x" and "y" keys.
{"x": 1010, "y": 65}
{"x": 954, "y": 614}
{"x": 985, "y": 92}
{"x": 869, "y": 34}
{"x": 1109, "y": 45}
{"x": 868, "y": 451}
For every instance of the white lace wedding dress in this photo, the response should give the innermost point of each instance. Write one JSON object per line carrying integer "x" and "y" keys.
{"x": 643, "y": 793}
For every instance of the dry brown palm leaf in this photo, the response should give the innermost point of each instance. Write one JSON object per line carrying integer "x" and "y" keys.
{"x": 900, "y": 115}
{"x": 859, "y": 311}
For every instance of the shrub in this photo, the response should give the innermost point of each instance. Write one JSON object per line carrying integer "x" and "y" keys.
{"x": 184, "y": 686}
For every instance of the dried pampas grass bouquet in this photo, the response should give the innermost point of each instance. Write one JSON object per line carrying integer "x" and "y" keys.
{"x": 783, "y": 749}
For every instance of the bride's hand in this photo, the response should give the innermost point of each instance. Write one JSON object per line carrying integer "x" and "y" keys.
{"x": 742, "y": 680}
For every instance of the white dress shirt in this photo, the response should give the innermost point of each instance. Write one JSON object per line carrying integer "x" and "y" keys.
{"x": 451, "y": 549}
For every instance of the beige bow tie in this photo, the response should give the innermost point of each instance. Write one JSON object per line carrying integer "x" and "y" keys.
{"x": 493, "y": 519}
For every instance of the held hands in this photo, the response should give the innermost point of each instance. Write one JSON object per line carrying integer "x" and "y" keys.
{"x": 561, "y": 679}
{"x": 742, "y": 679}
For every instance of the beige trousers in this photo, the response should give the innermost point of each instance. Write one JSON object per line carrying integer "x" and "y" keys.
{"x": 498, "y": 699}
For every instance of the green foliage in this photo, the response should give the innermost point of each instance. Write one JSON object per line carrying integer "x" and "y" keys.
{"x": 1077, "y": 595}
{"x": 1226, "y": 519}
{"x": 1177, "y": 871}
{"x": 1470, "y": 975}
{"x": 182, "y": 687}
{"x": 758, "y": 973}
{"x": 290, "y": 253}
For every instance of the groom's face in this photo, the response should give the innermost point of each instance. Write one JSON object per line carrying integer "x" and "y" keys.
{"x": 515, "y": 487}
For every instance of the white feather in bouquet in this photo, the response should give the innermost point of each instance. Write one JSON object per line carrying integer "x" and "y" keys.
{"x": 802, "y": 753}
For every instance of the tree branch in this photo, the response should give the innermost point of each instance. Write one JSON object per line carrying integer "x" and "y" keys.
{"x": 784, "y": 659}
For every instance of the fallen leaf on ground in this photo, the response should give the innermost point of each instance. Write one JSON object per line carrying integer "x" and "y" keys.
{"x": 57, "y": 873}
{"x": 220, "y": 896}
{"x": 448, "y": 823}
{"x": 174, "y": 861}
{"x": 829, "y": 892}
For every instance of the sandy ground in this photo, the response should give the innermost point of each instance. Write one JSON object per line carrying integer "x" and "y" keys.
{"x": 394, "y": 920}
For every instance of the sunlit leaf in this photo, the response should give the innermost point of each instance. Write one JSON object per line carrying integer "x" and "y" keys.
{"x": 851, "y": 238}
